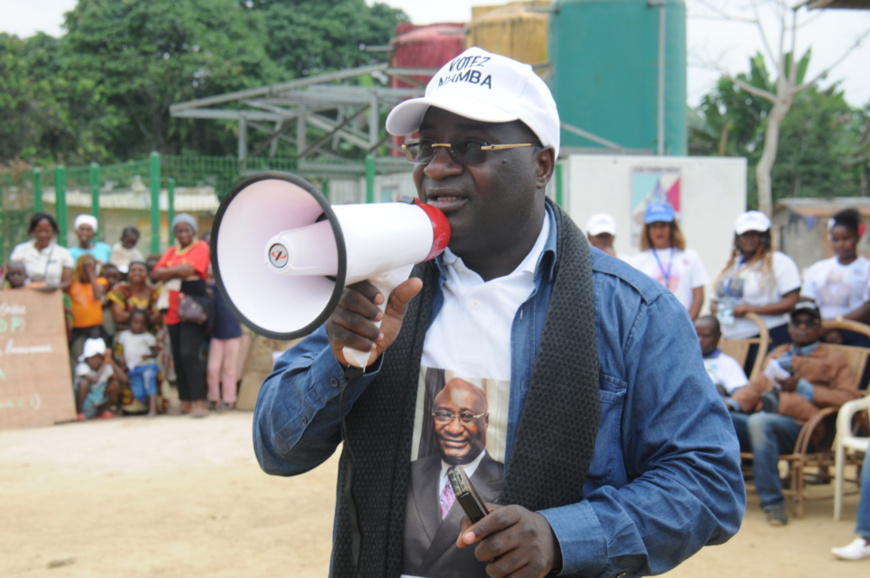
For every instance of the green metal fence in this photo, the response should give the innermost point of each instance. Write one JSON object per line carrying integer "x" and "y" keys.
{"x": 146, "y": 192}
{"x": 145, "y": 186}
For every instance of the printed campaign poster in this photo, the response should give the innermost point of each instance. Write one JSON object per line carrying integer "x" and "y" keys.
{"x": 459, "y": 421}
{"x": 652, "y": 185}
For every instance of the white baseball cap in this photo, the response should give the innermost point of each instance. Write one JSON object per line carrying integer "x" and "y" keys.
{"x": 93, "y": 346}
{"x": 485, "y": 87}
{"x": 751, "y": 221}
{"x": 601, "y": 223}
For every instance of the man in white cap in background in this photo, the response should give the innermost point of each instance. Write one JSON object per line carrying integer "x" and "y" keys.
{"x": 619, "y": 456}
{"x": 86, "y": 227}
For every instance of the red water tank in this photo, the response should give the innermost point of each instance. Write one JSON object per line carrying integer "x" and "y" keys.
{"x": 428, "y": 46}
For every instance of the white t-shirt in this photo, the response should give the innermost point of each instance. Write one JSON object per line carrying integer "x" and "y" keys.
{"x": 758, "y": 291}
{"x": 137, "y": 345}
{"x": 84, "y": 370}
{"x": 468, "y": 341}
{"x": 679, "y": 271}
{"x": 836, "y": 288}
{"x": 46, "y": 265}
{"x": 724, "y": 370}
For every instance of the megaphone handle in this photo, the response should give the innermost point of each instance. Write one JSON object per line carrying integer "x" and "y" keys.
{"x": 384, "y": 283}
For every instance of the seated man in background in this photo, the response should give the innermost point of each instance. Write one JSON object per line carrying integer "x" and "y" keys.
{"x": 725, "y": 372}
{"x": 799, "y": 379}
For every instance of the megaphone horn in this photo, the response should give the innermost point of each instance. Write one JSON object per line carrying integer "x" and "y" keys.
{"x": 282, "y": 255}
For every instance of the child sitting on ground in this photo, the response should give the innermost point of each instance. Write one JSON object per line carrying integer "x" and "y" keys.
{"x": 96, "y": 387}
{"x": 136, "y": 349}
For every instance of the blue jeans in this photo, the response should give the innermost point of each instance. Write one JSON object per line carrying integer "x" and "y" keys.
{"x": 863, "y": 526}
{"x": 143, "y": 381}
{"x": 766, "y": 435}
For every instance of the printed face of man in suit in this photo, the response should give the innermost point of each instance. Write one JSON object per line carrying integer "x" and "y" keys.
{"x": 460, "y": 418}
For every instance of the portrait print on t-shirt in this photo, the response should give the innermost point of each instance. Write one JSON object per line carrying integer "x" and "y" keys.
{"x": 458, "y": 420}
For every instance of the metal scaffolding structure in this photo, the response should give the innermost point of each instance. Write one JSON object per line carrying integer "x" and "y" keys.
{"x": 333, "y": 119}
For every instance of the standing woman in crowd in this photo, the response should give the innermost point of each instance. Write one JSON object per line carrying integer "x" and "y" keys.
{"x": 839, "y": 284}
{"x": 86, "y": 227}
{"x": 665, "y": 258}
{"x": 183, "y": 269}
{"x": 49, "y": 266}
{"x": 756, "y": 279}
{"x": 223, "y": 353}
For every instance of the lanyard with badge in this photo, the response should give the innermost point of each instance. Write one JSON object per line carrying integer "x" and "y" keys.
{"x": 666, "y": 275}
{"x": 48, "y": 264}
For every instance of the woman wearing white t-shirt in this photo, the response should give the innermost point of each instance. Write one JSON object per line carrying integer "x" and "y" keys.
{"x": 49, "y": 266}
{"x": 839, "y": 284}
{"x": 665, "y": 258}
{"x": 756, "y": 279}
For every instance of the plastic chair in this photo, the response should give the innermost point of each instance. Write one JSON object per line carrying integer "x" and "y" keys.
{"x": 847, "y": 440}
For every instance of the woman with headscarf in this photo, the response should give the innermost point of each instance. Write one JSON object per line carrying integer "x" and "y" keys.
{"x": 86, "y": 227}
{"x": 756, "y": 279}
{"x": 665, "y": 257}
{"x": 183, "y": 269}
{"x": 49, "y": 266}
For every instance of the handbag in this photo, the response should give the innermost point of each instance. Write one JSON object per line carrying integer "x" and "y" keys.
{"x": 190, "y": 310}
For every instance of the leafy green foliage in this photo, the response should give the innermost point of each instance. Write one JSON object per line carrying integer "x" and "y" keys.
{"x": 822, "y": 152}
{"x": 308, "y": 37}
{"x": 143, "y": 56}
{"x": 102, "y": 91}
{"x": 819, "y": 150}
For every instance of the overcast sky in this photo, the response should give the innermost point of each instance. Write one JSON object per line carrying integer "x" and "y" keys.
{"x": 710, "y": 39}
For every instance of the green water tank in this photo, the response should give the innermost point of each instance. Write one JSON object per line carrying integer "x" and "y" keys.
{"x": 620, "y": 74}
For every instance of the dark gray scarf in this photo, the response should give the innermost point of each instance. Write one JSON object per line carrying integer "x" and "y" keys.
{"x": 555, "y": 437}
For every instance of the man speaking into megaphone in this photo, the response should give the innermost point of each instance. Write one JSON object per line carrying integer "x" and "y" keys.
{"x": 618, "y": 456}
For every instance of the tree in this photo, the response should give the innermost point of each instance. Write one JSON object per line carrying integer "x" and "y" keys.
{"x": 786, "y": 85}
{"x": 144, "y": 55}
{"x": 822, "y": 145}
{"x": 729, "y": 119}
{"x": 44, "y": 113}
{"x": 308, "y": 37}
{"x": 102, "y": 91}
{"x": 819, "y": 146}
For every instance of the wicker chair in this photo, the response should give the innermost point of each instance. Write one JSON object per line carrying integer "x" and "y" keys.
{"x": 739, "y": 348}
{"x": 814, "y": 449}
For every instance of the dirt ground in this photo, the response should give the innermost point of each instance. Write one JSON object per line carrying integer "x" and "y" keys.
{"x": 178, "y": 497}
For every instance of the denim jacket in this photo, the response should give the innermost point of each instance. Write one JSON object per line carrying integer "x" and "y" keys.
{"x": 665, "y": 477}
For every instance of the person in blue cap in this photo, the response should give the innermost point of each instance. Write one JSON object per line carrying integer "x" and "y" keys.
{"x": 665, "y": 257}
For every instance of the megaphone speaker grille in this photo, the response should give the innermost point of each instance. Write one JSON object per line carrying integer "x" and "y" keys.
{"x": 272, "y": 304}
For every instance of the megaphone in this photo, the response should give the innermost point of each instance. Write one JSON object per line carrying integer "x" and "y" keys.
{"x": 282, "y": 255}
